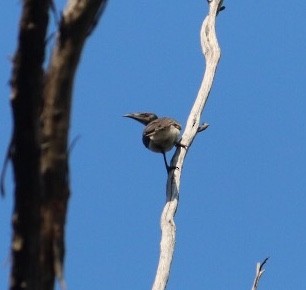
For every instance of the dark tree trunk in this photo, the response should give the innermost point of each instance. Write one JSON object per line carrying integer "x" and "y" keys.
{"x": 41, "y": 115}
{"x": 27, "y": 88}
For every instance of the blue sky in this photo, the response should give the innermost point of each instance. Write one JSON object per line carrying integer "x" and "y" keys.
{"x": 243, "y": 194}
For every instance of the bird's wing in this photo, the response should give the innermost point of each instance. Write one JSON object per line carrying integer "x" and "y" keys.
{"x": 158, "y": 125}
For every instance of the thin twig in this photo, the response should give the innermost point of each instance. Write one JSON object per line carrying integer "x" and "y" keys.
{"x": 259, "y": 271}
{"x": 4, "y": 167}
{"x": 202, "y": 127}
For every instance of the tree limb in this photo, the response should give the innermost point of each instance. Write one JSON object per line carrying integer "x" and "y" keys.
{"x": 78, "y": 19}
{"x": 211, "y": 51}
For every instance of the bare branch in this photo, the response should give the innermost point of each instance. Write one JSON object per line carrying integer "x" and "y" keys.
{"x": 259, "y": 271}
{"x": 78, "y": 19}
{"x": 211, "y": 51}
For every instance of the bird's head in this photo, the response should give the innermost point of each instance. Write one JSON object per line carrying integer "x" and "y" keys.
{"x": 143, "y": 118}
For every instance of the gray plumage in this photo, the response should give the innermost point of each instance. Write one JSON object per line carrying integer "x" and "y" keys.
{"x": 160, "y": 134}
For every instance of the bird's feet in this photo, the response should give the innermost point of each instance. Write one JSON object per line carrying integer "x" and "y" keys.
{"x": 170, "y": 168}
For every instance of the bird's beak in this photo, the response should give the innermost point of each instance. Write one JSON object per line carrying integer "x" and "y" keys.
{"x": 143, "y": 118}
{"x": 129, "y": 115}
{"x": 136, "y": 116}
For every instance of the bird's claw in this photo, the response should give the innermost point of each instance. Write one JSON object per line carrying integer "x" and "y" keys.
{"x": 170, "y": 168}
{"x": 179, "y": 144}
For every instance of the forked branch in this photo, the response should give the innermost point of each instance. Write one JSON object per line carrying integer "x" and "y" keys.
{"x": 259, "y": 271}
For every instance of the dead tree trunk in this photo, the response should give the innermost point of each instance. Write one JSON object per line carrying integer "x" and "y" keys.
{"x": 41, "y": 114}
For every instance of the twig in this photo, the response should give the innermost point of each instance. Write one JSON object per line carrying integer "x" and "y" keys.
{"x": 259, "y": 271}
{"x": 202, "y": 127}
{"x": 4, "y": 167}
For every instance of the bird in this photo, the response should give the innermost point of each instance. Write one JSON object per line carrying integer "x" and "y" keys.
{"x": 160, "y": 134}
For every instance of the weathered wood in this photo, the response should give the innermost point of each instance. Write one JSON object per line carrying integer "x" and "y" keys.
{"x": 211, "y": 51}
{"x": 259, "y": 272}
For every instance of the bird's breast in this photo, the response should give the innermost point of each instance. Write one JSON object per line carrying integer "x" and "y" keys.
{"x": 162, "y": 140}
